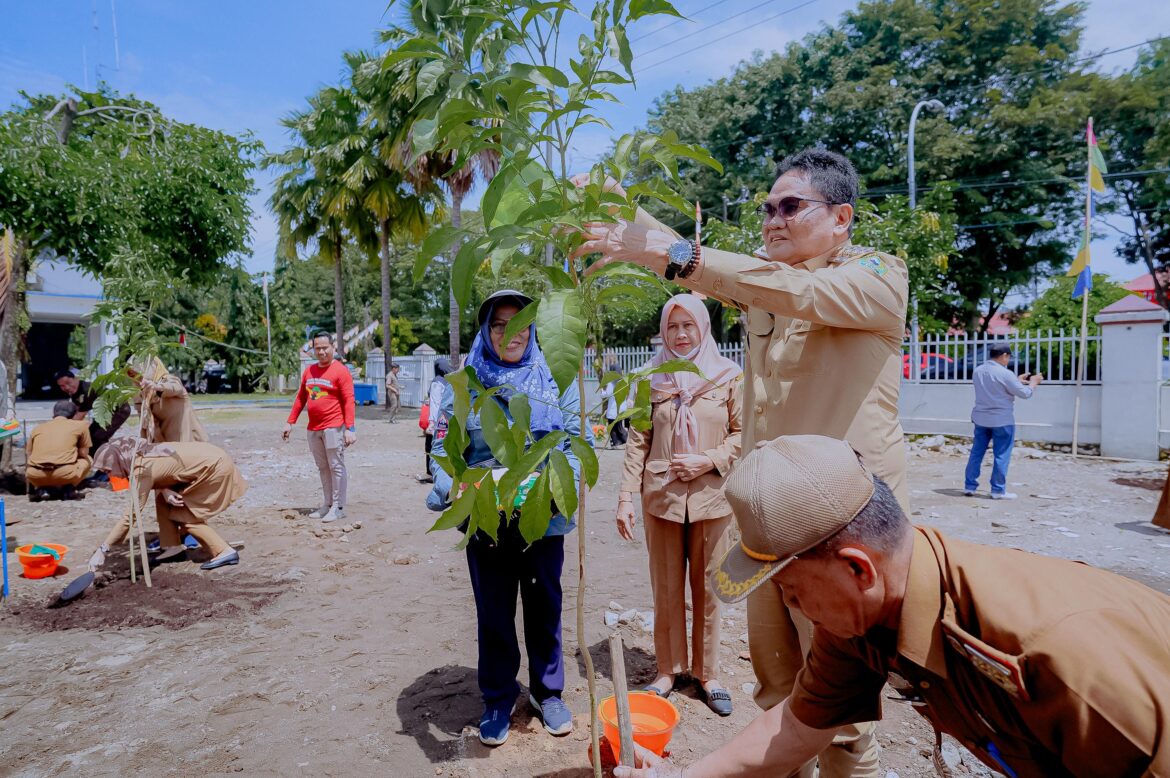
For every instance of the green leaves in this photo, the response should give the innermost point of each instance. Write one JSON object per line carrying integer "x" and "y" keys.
{"x": 562, "y": 483}
{"x": 590, "y": 468}
{"x": 541, "y": 75}
{"x": 620, "y": 47}
{"x": 640, "y": 8}
{"x": 437, "y": 242}
{"x": 536, "y": 510}
{"x": 520, "y": 321}
{"x": 560, "y": 324}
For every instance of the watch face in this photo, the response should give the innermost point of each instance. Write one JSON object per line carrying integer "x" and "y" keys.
{"x": 679, "y": 252}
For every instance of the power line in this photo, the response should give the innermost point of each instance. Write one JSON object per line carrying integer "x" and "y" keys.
{"x": 184, "y": 328}
{"x": 956, "y": 91}
{"x": 704, "y": 28}
{"x": 725, "y": 37}
{"x": 676, "y": 21}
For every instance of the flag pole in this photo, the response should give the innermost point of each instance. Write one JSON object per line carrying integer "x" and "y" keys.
{"x": 1084, "y": 291}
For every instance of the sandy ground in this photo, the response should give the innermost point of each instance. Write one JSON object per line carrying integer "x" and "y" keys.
{"x": 347, "y": 653}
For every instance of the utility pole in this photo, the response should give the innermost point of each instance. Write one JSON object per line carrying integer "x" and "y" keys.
{"x": 915, "y": 347}
{"x": 268, "y": 327}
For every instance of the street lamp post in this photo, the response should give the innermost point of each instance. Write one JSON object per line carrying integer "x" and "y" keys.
{"x": 915, "y": 348}
{"x": 268, "y": 328}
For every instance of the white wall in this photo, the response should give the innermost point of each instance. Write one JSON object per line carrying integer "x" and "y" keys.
{"x": 945, "y": 409}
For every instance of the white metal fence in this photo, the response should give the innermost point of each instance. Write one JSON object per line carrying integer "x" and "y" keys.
{"x": 941, "y": 358}
{"x": 1055, "y": 354}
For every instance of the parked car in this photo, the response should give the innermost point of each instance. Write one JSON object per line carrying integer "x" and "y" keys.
{"x": 213, "y": 380}
{"x": 931, "y": 365}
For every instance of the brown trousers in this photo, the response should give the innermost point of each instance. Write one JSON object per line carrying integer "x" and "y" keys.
{"x": 779, "y": 639}
{"x": 1162, "y": 512}
{"x": 172, "y": 522}
{"x": 62, "y": 475}
{"x": 680, "y": 552}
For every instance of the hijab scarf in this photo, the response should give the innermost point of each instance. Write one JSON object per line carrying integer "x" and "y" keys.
{"x": 117, "y": 456}
{"x": 685, "y": 387}
{"x": 530, "y": 376}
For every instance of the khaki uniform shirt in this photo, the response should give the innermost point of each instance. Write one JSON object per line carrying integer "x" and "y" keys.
{"x": 648, "y": 456}
{"x": 824, "y": 348}
{"x": 1039, "y": 665}
{"x": 174, "y": 418}
{"x": 55, "y": 443}
{"x": 210, "y": 480}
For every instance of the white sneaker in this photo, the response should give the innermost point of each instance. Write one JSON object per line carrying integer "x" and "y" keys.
{"x": 334, "y": 514}
{"x": 320, "y": 512}
{"x": 1004, "y": 496}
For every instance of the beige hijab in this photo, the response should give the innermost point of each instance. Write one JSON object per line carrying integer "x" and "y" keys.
{"x": 716, "y": 371}
{"x": 117, "y": 456}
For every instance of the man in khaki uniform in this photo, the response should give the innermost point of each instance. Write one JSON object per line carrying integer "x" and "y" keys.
{"x": 825, "y": 322}
{"x": 1040, "y": 666}
{"x": 58, "y": 454}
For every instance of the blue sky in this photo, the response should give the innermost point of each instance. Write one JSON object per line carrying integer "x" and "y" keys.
{"x": 241, "y": 66}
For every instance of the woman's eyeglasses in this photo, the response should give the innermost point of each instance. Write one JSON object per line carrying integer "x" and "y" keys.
{"x": 498, "y": 327}
{"x": 787, "y": 207}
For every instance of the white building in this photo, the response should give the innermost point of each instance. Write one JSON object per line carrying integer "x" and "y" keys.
{"x": 60, "y": 298}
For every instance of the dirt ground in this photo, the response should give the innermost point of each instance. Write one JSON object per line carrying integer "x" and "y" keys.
{"x": 345, "y": 653}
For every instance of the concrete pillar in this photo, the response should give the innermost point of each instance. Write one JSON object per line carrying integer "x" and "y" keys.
{"x": 1131, "y": 363}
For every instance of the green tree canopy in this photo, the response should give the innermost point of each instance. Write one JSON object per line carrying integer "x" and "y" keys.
{"x": 1016, "y": 98}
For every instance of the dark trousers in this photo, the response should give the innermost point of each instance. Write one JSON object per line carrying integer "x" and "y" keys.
{"x": 498, "y": 570}
{"x": 430, "y": 441}
{"x": 618, "y": 434}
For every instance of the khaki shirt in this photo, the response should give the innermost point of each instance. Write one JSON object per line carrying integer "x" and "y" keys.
{"x": 174, "y": 417}
{"x": 648, "y": 456}
{"x": 209, "y": 479}
{"x": 57, "y": 442}
{"x": 1047, "y": 666}
{"x": 824, "y": 348}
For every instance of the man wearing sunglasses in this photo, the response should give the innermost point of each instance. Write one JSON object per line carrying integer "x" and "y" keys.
{"x": 825, "y": 323}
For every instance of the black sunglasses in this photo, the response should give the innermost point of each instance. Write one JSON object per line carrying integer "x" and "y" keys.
{"x": 787, "y": 207}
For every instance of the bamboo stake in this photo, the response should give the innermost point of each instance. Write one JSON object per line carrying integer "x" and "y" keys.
{"x": 621, "y": 695}
{"x": 582, "y": 645}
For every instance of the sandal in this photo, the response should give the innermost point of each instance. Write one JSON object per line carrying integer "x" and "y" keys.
{"x": 718, "y": 700}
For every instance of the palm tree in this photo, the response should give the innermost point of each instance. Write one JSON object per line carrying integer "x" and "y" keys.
{"x": 376, "y": 175}
{"x": 426, "y": 169}
{"x": 311, "y": 199}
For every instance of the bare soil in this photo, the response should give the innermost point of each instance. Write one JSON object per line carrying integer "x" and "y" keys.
{"x": 328, "y": 652}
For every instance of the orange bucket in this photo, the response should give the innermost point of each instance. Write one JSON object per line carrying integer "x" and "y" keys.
{"x": 654, "y": 720}
{"x": 40, "y": 565}
{"x": 119, "y": 484}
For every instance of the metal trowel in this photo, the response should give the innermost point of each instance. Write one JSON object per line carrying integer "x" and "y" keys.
{"x": 77, "y": 587}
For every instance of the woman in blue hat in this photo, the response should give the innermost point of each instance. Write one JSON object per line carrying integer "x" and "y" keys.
{"x": 499, "y": 569}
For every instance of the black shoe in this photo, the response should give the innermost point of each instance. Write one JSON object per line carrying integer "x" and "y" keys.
{"x": 40, "y": 495}
{"x": 71, "y": 493}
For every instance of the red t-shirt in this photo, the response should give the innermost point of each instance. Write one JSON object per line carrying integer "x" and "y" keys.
{"x": 328, "y": 394}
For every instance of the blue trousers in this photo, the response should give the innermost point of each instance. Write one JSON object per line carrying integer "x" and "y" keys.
{"x": 1001, "y": 440}
{"x": 498, "y": 571}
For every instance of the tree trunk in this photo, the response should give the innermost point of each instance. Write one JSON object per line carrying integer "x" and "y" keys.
{"x": 453, "y": 332}
{"x": 387, "y": 350}
{"x": 11, "y": 341}
{"x": 1143, "y": 235}
{"x": 338, "y": 300}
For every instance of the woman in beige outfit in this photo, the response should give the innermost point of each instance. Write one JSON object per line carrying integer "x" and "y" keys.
{"x": 171, "y": 417}
{"x": 192, "y": 482}
{"x": 678, "y": 467}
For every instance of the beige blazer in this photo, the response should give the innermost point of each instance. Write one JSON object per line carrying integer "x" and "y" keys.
{"x": 648, "y": 456}
{"x": 824, "y": 346}
{"x": 174, "y": 418}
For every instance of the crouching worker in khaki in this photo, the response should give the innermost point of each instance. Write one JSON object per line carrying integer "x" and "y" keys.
{"x": 192, "y": 482}
{"x": 58, "y": 455}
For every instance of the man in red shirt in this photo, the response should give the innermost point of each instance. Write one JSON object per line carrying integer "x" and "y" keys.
{"x": 327, "y": 391}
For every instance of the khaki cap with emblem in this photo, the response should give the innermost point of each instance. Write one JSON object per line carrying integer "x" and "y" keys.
{"x": 789, "y": 495}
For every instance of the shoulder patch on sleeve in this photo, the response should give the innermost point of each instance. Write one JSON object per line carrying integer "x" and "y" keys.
{"x": 874, "y": 264}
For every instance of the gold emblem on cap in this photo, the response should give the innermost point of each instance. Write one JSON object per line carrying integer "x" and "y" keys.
{"x": 731, "y": 588}
{"x": 758, "y": 556}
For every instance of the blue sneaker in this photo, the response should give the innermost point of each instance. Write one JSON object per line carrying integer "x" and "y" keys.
{"x": 190, "y": 542}
{"x": 495, "y": 725}
{"x": 154, "y": 545}
{"x": 555, "y": 715}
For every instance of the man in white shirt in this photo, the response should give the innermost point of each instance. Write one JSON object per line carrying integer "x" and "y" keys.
{"x": 996, "y": 390}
